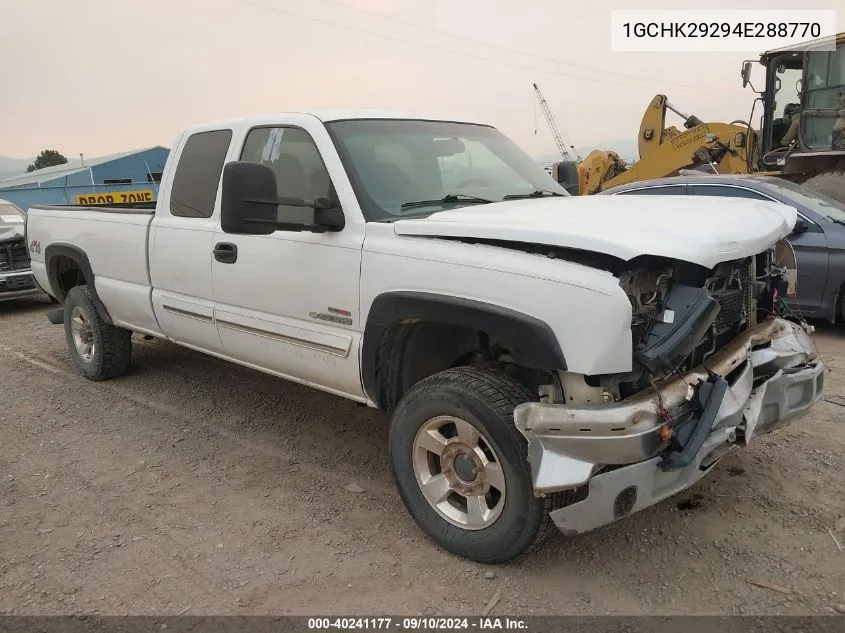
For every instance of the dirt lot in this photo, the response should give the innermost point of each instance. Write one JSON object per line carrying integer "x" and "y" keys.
{"x": 195, "y": 486}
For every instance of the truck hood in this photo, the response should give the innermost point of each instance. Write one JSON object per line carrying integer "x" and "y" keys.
{"x": 11, "y": 225}
{"x": 704, "y": 231}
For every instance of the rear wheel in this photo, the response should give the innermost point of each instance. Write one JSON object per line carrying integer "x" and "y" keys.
{"x": 831, "y": 184}
{"x": 99, "y": 350}
{"x": 460, "y": 465}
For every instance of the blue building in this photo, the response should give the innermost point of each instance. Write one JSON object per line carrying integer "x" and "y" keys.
{"x": 128, "y": 177}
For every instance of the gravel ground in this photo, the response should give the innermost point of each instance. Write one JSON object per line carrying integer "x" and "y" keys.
{"x": 195, "y": 486}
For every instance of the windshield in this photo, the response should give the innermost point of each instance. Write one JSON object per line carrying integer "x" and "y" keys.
{"x": 405, "y": 167}
{"x": 819, "y": 203}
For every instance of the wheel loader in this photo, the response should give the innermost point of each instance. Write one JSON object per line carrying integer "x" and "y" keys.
{"x": 801, "y": 133}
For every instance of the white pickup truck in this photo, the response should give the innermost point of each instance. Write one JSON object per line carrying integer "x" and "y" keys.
{"x": 546, "y": 360}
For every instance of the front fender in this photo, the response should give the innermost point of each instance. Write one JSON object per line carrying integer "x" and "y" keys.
{"x": 532, "y": 342}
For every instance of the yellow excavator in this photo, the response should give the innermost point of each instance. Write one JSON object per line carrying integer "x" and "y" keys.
{"x": 801, "y": 133}
{"x": 664, "y": 151}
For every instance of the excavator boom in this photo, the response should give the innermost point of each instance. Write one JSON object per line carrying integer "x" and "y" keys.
{"x": 664, "y": 151}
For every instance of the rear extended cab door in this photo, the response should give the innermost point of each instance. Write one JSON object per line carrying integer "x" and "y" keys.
{"x": 288, "y": 302}
{"x": 181, "y": 237}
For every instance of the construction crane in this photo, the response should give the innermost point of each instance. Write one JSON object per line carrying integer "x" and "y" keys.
{"x": 556, "y": 132}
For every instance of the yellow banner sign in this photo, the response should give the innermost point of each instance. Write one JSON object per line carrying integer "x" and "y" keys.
{"x": 116, "y": 197}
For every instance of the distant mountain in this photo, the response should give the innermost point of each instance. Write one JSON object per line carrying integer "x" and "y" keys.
{"x": 625, "y": 147}
{"x": 13, "y": 166}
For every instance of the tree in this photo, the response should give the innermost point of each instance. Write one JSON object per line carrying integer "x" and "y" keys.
{"x": 47, "y": 158}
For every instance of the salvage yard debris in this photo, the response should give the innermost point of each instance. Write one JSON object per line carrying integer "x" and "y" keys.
{"x": 768, "y": 585}
{"x": 835, "y": 540}
{"x": 493, "y": 602}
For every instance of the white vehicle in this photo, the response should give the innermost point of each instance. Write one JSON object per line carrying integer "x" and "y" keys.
{"x": 15, "y": 275}
{"x": 545, "y": 359}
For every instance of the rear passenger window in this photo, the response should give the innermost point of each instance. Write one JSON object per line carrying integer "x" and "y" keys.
{"x": 198, "y": 174}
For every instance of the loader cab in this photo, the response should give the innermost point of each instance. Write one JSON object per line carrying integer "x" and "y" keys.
{"x": 823, "y": 104}
{"x": 802, "y": 124}
{"x": 781, "y": 102}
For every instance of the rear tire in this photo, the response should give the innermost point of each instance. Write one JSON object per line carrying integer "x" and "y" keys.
{"x": 830, "y": 184}
{"x": 461, "y": 467}
{"x": 100, "y": 351}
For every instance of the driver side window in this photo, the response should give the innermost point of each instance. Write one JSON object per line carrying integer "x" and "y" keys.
{"x": 296, "y": 162}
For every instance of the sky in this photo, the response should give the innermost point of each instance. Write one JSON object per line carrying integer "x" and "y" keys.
{"x": 104, "y": 76}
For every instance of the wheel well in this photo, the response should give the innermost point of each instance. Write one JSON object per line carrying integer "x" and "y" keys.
{"x": 66, "y": 273}
{"x": 410, "y": 351}
{"x": 412, "y": 335}
{"x": 68, "y": 267}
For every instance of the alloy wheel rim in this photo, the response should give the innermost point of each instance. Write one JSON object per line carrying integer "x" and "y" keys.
{"x": 459, "y": 472}
{"x": 83, "y": 334}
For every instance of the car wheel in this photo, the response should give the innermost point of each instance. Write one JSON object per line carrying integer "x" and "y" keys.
{"x": 461, "y": 466}
{"x": 99, "y": 350}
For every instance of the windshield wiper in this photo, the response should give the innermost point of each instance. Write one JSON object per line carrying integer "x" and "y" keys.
{"x": 540, "y": 193}
{"x": 452, "y": 197}
{"x": 836, "y": 220}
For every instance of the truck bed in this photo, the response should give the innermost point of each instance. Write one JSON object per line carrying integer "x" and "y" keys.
{"x": 115, "y": 240}
{"x": 147, "y": 208}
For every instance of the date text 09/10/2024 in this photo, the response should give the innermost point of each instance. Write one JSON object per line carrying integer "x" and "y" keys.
{"x": 417, "y": 623}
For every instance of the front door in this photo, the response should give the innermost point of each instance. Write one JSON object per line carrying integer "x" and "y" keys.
{"x": 288, "y": 302}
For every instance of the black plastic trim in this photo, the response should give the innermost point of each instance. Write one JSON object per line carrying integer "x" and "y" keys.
{"x": 54, "y": 251}
{"x": 532, "y": 342}
{"x": 710, "y": 395}
{"x": 695, "y": 310}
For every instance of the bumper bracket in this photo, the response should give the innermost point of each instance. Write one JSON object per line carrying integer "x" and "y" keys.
{"x": 708, "y": 402}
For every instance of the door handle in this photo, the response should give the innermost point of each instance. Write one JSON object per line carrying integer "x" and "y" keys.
{"x": 226, "y": 252}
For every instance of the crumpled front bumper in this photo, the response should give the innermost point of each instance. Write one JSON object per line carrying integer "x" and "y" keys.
{"x": 768, "y": 376}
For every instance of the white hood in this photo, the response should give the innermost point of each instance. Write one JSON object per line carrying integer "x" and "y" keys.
{"x": 11, "y": 221}
{"x": 702, "y": 230}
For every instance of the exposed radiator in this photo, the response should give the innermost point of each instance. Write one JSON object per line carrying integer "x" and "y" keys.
{"x": 14, "y": 256}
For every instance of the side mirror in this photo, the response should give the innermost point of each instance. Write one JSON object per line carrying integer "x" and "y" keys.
{"x": 746, "y": 73}
{"x": 800, "y": 227}
{"x": 247, "y": 201}
{"x": 250, "y": 204}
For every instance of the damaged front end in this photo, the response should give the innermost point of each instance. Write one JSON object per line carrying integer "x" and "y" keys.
{"x": 717, "y": 360}
{"x": 16, "y": 279}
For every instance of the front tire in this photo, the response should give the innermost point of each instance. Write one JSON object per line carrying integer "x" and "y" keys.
{"x": 460, "y": 465}
{"x": 100, "y": 351}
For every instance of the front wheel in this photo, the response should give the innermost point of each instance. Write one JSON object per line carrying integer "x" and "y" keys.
{"x": 99, "y": 350}
{"x": 460, "y": 465}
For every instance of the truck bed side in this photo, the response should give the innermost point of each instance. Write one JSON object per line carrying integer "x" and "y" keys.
{"x": 108, "y": 245}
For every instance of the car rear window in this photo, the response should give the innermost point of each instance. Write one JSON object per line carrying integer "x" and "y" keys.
{"x": 198, "y": 174}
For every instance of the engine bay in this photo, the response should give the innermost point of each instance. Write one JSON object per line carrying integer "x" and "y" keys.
{"x": 682, "y": 313}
